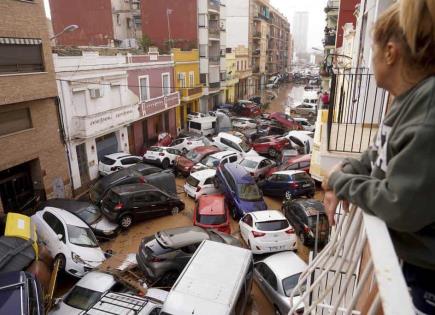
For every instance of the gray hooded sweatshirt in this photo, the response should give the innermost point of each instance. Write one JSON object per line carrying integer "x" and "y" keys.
{"x": 395, "y": 178}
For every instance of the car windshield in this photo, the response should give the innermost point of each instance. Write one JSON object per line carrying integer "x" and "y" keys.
{"x": 211, "y": 219}
{"x": 249, "y": 164}
{"x": 245, "y": 147}
{"x": 210, "y": 161}
{"x": 193, "y": 155}
{"x": 249, "y": 192}
{"x": 82, "y": 298}
{"x": 275, "y": 225}
{"x": 192, "y": 181}
{"x": 81, "y": 236}
{"x": 301, "y": 176}
{"x": 289, "y": 284}
{"x": 90, "y": 214}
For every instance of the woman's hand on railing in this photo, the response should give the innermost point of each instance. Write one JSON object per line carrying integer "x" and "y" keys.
{"x": 331, "y": 202}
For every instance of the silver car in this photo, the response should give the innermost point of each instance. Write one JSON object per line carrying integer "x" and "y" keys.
{"x": 164, "y": 256}
{"x": 277, "y": 275}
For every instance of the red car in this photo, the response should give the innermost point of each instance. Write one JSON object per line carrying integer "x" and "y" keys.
{"x": 285, "y": 121}
{"x": 299, "y": 162}
{"x": 247, "y": 109}
{"x": 183, "y": 164}
{"x": 271, "y": 145}
{"x": 211, "y": 212}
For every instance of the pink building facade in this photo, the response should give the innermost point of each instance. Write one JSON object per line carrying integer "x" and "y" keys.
{"x": 150, "y": 78}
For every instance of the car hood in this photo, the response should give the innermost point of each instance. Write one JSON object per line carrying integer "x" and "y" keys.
{"x": 104, "y": 225}
{"x": 250, "y": 206}
{"x": 92, "y": 255}
{"x": 252, "y": 152}
{"x": 184, "y": 162}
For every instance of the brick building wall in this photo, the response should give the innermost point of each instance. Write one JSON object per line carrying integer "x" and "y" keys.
{"x": 345, "y": 15}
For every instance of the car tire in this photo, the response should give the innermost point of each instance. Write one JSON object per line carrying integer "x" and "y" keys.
{"x": 175, "y": 210}
{"x": 126, "y": 221}
{"x": 165, "y": 164}
{"x": 62, "y": 261}
{"x": 272, "y": 152}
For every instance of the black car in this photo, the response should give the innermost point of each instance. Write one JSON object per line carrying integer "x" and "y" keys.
{"x": 89, "y": 213}
{"x": 305, "y": 215}
{"x": 131, "y": 203}
{"x": 138, "y": 173}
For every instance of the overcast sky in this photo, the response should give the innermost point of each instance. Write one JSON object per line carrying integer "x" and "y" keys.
{"x": 316, "y": 22}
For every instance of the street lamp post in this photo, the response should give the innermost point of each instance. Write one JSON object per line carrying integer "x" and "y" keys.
{"x": 68, "y": 29}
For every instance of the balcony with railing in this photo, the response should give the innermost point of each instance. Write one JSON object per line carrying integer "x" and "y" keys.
{"x": 191, "y": 93}
{"x": 214, "y": 60}
{"x": 214, "y": 29}
{"x": 332, "y": 5}
{"x": 329, "y": 40}
{"x": 356, "y": 273}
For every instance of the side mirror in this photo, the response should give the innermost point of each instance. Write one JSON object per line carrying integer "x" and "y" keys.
{"x": 59, "y": 237}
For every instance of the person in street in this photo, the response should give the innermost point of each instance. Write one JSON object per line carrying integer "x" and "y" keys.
{"x": 395, "y": 178}
{"x": 325, "y": 99}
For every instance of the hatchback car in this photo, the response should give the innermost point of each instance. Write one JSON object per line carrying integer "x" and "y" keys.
{"x": 244, "y": 123}
{"x": 241, "y": 192}
{"x": 68, "y": 239}
{"x": 213, "y": 160}
{"x": 246, "y": 108}
{"x": 257, "y": 166}
{"x": 200, "y": 183}
{"x": 288, "y": 183}
{"x": 305, "y": 215}
{"x": 267, "y": 231}
{"x": 91, "y": 214}
{"x": 184, "y": 164}
{"x": 226, "y": 141}
{"x": 211, "y": 212}
{"x": 305, "y": 110}
{"x": 186, "y": 144}
{"x": 131, "y": 203}
{"x": 293, "y": 163}
{"x": 277, "y": 276}
{"x": 285, "y": 120}
{"x": 164, "y": 256}
{"x": 270, "y": 145}
{"x": 115, "y": 162}
{"x": 305, "y": 124}
{"x": 163, "y": 156}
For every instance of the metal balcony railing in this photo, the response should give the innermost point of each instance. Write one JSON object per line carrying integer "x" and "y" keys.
{"x": 329, "y": 40}
{"x": 357, "y": 272}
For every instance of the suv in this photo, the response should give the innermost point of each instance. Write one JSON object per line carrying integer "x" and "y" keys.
{"x": 20, "y": 293}
{"x": 304, "y": 215}
{"x": 226, "y": 141}
{"x": 241, "y": 192}
{"x": 289, "y": 183}
{"x": 164, "y": 256}
{"x": 285, "y": 120}
{"x": 128, "y": 203}
{"x": 164, "y": 156}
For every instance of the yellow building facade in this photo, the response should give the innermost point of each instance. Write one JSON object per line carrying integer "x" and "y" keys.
{"x": 231, "y": 78}
{"x": 186, "y": 77}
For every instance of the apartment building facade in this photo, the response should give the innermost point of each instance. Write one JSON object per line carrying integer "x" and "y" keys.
{"x": 245, "y": 87}
{"x": 278, "y": 43}
{"x": 232, "y": 78}
{"x": 33, "y": 160}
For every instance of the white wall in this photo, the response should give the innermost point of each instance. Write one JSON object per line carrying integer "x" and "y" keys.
{"x": 237, "y": 23}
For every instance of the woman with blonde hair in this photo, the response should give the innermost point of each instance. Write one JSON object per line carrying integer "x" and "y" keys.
{"x": 395, "y": 178}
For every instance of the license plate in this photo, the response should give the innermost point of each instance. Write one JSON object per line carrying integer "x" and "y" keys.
{"x": 306, "y": 185}
{"x": 149, "y": 157}
{"x": 277, "y": 247}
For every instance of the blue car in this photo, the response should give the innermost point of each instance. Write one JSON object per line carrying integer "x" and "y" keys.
{"x": 241, "y": 192}
{"x": 286, "y": 183}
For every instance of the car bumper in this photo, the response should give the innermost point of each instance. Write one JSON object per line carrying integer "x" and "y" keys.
{"x": 258, "y": 247}
{"x": 152, "y": 161}
{"x": 79, "y": 269}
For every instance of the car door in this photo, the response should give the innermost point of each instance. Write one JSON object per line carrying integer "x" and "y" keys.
{"x": 54, "y": 228}
{"x": 260, "y": 145}
{"x": 246, "y": 227}
{"x": 172, "y": 154}
{"x": 147, "y": 205}
{"x": 267, "y": 280}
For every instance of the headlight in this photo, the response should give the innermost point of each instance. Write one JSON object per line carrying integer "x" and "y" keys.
{"x": 77, "y": 259}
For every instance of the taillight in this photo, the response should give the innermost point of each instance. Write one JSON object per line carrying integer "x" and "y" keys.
{"x": 161, "y": 154}
{"x": 119, "y": 206}
{"x": 290, "y": 231}
{"x": 306, "y": 229}
{"x": 156, "y": 259}
{"x": 294, "y": 185}
{"x": 258, "y": 234}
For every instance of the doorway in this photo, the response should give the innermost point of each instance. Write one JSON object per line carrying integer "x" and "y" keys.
{"x": 82, "y": 161}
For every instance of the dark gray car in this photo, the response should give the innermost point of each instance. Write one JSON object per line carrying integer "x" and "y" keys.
{"x": 163, "y": 256}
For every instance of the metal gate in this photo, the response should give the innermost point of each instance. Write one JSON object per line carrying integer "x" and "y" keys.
{"x": 106, "y": 144}
{"x": 82, "y": 161}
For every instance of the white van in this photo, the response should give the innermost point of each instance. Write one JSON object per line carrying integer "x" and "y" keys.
{"x": 216, "y": 281}
{"x": 226, "y": 141}
{"x": 273, "y": 82}
{"x": 204, "y": 126}
{"x": 311, "y": 98}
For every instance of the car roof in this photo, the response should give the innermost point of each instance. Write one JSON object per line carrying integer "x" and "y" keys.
{"x": 67, "y": 217}
{"x": 311, "y": 206}
{"x": 203, "y": 174}
{"x": 267, "y": 215}
{"x": 97, "y": 281}
{"x": 70, "y": 205}
{"x": 255, "y": 158}
{"x": 239, "y": 173}
{"x": 117, "y": 156}
{"x": 132, "y": 188}
{"x": 285, "y": 264}
{"x": 229, "y": 137}
{"x": 211, "y": 204}
{"x": 289, "y": 172}
{"x": 222, "y": 154}
{"x": 205, "y": 149}
{"x": 183, "y": 236}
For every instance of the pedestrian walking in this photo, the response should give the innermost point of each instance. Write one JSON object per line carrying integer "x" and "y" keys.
{"x": 395, "y": 178}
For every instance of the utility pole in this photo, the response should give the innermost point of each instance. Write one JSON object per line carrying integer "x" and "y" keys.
{"x": 168, "y": 12}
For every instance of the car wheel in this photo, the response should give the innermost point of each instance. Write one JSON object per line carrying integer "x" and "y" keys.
{"x": 272, "y": 152}
{"x": 62, "y": 261}
{"x": 126, "y": 221}
{"x": 175, "y": 210}
{"x": 165, "y": 163}
{"x": 277, "y": 312}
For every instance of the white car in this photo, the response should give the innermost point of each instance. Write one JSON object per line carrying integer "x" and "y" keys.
{"x": 116, "y": 161}
{"x": 305, "y": 124}
{"x": 201, "y": 183}
{"x": 257, "y": 166}
{"x": 212, "y": 161}
{"x": 244, "y": 123}
{"x": 226, "y": 141}
{"x": 301, "y": 138}
{"x": 164, "y": 156}
{"x": 186, "y": 144}
{"x": 277, "y": 275}
{"x": 194, "y": 115}
{"x": 267, "y": 231}
{"x": 70, "y": 239}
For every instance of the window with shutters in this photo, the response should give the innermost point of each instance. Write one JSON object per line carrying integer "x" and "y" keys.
{"x": 21, "y": 55}
{"x": 16, "y": 120}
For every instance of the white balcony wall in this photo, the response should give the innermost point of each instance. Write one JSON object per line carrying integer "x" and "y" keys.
{"x": 203, "y": 65}
{"x": 203, "y": 36}
{"x": 214, "y": 74}
{"x": 237, "y": 23}
{"x": 202, "y": 6}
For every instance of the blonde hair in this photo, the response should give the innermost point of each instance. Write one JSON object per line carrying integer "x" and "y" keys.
{"x": 411, "y": 23}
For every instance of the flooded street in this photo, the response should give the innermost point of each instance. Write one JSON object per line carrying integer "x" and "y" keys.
{"x": 128, "y": 241}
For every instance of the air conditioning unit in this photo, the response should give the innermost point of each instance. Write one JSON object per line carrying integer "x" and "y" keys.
{"x": 96, "y": 93}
